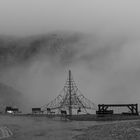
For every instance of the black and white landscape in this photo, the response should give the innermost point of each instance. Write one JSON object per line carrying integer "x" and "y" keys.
{"x": 41, "y": 40}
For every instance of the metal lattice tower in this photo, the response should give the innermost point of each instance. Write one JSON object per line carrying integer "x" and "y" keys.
{"x": 71, "y": 98}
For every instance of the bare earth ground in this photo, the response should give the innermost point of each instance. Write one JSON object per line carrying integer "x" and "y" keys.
{"x": 42, "y": 128}
{"x": 123, "y": 130}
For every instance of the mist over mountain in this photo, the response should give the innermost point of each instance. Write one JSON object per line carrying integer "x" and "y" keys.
{"x": 98, "y": 40}
{"x": 23, "y": 59}
{"x": 105, "y": 67}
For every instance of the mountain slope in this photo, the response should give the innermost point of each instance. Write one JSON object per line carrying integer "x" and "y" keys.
{"x": 15, "y": 50}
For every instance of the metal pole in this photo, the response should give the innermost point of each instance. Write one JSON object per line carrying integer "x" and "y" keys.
{"x": 70, "y": 103}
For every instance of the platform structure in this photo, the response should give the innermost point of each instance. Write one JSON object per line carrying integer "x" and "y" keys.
{"x": 103, "y": 108}
{"x": 71, "y": 100}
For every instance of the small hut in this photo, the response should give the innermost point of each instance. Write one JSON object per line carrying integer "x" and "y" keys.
{"x": 11, "y": 110}
{"x": 36, "y": 111}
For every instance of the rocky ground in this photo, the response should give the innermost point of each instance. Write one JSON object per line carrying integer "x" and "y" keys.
{"x": 42, "y": 128}
{"x": 123, "y": 130}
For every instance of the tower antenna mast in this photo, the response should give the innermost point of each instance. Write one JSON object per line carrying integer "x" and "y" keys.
{"x": 70, "y": 89}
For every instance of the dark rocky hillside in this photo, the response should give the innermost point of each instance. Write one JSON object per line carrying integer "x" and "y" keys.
{"x": 19, "y": 50}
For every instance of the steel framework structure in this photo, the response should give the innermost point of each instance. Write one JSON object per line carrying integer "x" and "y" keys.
{"x": 70, "y": 99}
{"x": 103, "y": 108}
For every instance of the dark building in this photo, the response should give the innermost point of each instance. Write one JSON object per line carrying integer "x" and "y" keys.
{"x": 36, "y": 111}
{"x": 11, "y": 110}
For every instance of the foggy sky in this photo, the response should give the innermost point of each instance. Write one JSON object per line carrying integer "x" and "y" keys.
{"x": 97, "y": 40}
{"x": 37, "y": 16}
